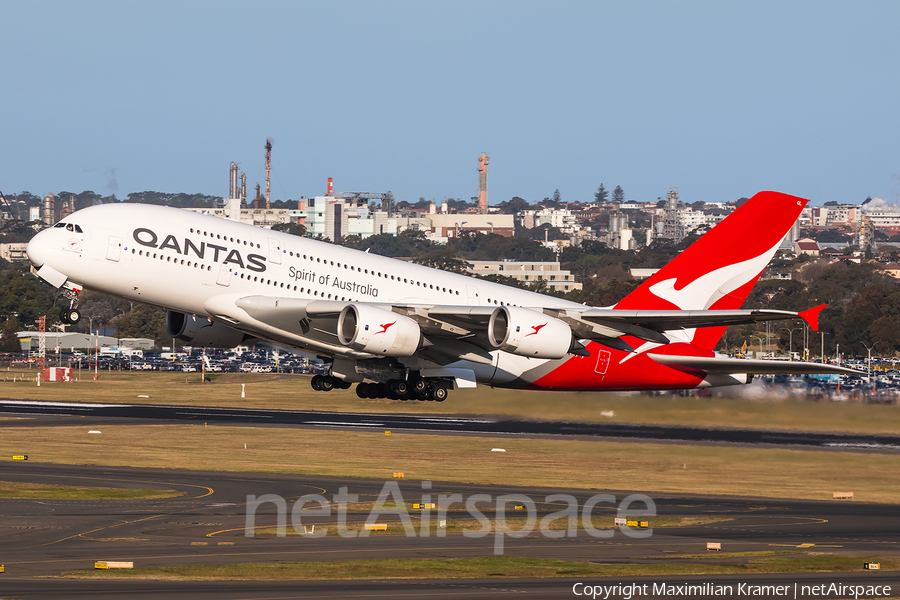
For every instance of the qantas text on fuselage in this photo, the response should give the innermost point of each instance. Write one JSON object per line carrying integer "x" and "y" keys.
{"x": 148, "y": 238}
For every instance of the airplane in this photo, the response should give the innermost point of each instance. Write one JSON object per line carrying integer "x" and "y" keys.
{"x": 406, "y": 331}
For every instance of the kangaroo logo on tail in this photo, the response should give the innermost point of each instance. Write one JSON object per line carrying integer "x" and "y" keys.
{"x": 718, "y": 270}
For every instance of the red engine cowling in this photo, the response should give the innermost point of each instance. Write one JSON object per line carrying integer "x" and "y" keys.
{"x": 377, "y": 331}
{"x": 203, "y": 332}
{"x": 529, "y": 333}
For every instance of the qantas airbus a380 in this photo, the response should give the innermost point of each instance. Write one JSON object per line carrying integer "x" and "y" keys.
{"x": 415, "y": 331}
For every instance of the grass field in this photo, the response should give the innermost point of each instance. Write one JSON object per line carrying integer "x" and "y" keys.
{"x": 765, "y": 410}
{"x": 487, "y": 567}
{"x": 12, "y": 489}
{"x": 659, "y": 468}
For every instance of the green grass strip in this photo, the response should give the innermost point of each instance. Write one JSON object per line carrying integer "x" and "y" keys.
{"x": 10, "y": 489}
{"x": 480, "y": 568}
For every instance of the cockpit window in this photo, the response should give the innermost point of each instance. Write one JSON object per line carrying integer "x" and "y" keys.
{"x": 60, "y": 224}
{"x": 70, "y": 227}
{"x": 78, "y": 229}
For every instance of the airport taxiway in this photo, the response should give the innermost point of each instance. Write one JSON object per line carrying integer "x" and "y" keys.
{"x": 205, "y": 526}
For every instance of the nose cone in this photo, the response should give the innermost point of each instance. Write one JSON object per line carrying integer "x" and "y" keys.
{"x": 40, "y": 247}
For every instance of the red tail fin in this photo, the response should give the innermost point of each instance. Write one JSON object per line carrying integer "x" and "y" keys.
{"x": 719, "y": 269}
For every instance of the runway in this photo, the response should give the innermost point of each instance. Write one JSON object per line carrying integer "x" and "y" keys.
{"x": 460, "y": 424}
{"x": 207, "y": 525}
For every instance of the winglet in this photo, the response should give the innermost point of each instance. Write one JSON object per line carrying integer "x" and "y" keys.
{"x": 811, "y": 316}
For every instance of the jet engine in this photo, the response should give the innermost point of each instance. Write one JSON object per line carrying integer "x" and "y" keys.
{"x": 377, "y": 331}
{"x": 202, "y": 332}
{"x": 528, "y": 333}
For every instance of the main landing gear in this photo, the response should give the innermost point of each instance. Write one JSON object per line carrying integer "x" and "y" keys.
{"x": 394, "y": 389}
{"x": 398, "y": 389}
{"x": 326, "y": 383}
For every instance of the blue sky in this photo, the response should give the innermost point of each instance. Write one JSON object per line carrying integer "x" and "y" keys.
{"x": 716, "y": 99}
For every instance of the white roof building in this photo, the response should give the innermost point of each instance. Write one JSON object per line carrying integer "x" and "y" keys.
{"x": 528, "y": 272}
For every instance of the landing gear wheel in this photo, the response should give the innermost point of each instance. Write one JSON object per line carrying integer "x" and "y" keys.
{"x": 316, "y": 383}
{"x": 440, "y": 394}
{"x": 420, "y": 386}
{"x": 73, "y": 316}
{"x": 64, "y": 315}
{"x": 399, "y": 389}
{"x": 326, "y": 383}
{"x": 362, "y": 390}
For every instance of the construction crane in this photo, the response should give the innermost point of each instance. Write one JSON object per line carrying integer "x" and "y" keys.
{"x": 14, "y": 218}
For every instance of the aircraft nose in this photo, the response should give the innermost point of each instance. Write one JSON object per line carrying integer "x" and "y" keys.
{"x": 39, "y": 248}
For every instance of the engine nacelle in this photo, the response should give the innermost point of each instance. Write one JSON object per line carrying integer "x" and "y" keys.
{"x": 528, "y": 333}
{"x": 202, "y": 332}
{"x": 377, "y": 331}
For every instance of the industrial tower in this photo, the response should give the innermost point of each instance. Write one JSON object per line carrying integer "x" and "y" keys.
{"x": 482, "y": 182}
{"x": 672, "y": 228}
{"x": 268, "y": 167}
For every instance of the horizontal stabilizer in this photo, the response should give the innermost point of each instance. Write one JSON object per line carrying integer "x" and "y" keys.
{"x": 647, "y": 324}
{"x": 741, "y": 365}
{"x": 811, "y": 316}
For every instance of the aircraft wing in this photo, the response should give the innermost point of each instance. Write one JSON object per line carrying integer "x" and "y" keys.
{"x": 740, "y": 365}
{"x": 446, "y": 333}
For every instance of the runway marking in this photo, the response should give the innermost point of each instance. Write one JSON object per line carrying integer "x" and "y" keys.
{"x": 442, "y": 584}
{"x": 125, "y": 539}
{"x": 84, "y": 533}
{"x": 199, "y": 543}
{"x": 809, "y": 521}
{"x": 192, "y": 414}
{"x": 808, "y": 545}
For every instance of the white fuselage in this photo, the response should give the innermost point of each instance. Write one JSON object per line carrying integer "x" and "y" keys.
{"x": 180, "y": 259}
{"x": 192, "y": 263}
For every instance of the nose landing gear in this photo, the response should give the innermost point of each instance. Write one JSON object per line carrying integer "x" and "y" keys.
{"x": 70, "y": 315}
